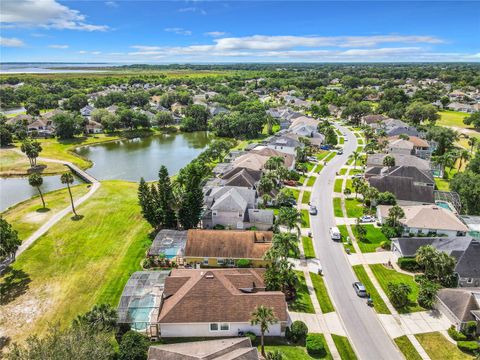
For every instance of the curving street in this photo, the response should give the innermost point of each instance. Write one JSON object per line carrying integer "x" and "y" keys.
{"x": 360, "y": 321}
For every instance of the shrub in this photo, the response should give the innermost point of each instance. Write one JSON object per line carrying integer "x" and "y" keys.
{"x": 134, "y": 346}
{"x": 470, "y": 329}
{"x": 298, "y": 331}
{"x": 468, "y": 346}
{"x": 251, "y": 336}
{"x": 219, "y": 227}
{"x": 408, "y": 264}
{"x": 456, "y": 335}
{"x": 427, "y": 294}
{"x": 385, "y": 245}
{"x": 315, "y": 345}
{"x": 243, "y": 263}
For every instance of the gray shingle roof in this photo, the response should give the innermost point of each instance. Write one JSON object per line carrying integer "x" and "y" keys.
{"x": 400, "y": 160}
{"x": 409, "y": 246}
{"x": 468, "y": 265}
{"x": 460, "y": 302}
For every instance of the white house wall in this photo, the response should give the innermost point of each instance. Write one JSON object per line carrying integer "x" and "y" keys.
{"x": 203, "y": 330}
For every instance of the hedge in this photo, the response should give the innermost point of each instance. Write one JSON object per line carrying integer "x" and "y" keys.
{"x": 456, "y": 335}
{"x": 408, "y": 264}
{"x": 467, "y": 346}
{"x": 315, "y": 345}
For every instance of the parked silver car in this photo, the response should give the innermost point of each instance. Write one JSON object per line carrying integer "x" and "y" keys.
{"x": 360, "y": 289}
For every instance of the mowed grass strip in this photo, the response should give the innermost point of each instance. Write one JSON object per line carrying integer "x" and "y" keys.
{"x": 322, "y": 293}
{"x": 311, "y": 180}
{"x": 78, "y": 264}
{"x": 439, "y": 348}
{"x": 308, "y": 248}
{"x": 305, "y": 218}
{"x": 338, "y": 185}
{"x": 337, "y": 207}
{"x": 407, "y": 348}
{"x": 373, "y": 238}
{"x": 378, "y": 303}
{"x": 354, "y": 207}
{"x": 344, "y": 233}
{"x": 344, "y": 347}
{"x": 306, "y": 197}
{"x": 385, "y": 276}
{"x": 302, "y": 302}
{"x": 27, "y": 217}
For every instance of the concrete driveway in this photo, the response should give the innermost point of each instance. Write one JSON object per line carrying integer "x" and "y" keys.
{"x": 362, "y": 325}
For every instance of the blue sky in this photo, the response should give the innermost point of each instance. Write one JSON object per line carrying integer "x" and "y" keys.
{"x": 239, "y": 31}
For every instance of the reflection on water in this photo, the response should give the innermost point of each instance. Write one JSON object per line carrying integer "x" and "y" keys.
{"x": 136, "y": 158}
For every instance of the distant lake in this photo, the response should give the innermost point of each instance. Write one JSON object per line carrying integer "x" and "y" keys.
{"x": 48, "y": 68}
{"x": 142, "y": 157}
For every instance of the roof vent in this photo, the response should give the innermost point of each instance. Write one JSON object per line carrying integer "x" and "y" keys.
{"x": 209, "y": 276}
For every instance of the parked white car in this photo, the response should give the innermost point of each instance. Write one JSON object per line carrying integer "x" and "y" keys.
{"x": 335, "y": 233}
{"x": 367, "y": 218}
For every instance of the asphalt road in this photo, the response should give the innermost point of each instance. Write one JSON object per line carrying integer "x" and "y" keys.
{"x": 369, "y": 338}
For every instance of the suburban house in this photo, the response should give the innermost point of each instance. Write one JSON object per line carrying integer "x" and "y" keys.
{"x": 169, "y": 243}
{"x": 468, "y": 266}
{"x": 413, "y": 146}
{"x": 409, "y": 184}
{"x": 226, "y": 247}
{"x": 241, "y": 177}
{"x": 288, "y": 159}
{"x": 239, "y": 348}
{"x": 373, "y": 119}
{"x": 217, "y": 303}
{"x": 460, "y": 305}
{"x": 376, "y": 160}
{"x": 86, "y": 111}
{"x": 94, "y": 127}
{"x": 394, "y": 127}
{"x": 235, "y": 208}
{"x": 250, "y": 161}
{"x": 408, "y": 246}
{"x": 426, "y": 219}
{"x": 284, "y": 143}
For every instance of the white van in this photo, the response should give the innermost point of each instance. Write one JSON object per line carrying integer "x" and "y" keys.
{"x": 335, "y": 233}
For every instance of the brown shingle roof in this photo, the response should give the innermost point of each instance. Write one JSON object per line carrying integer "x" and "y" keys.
{"x": 228, "y": 244}
{"x": 287, "y": 158}
{"x": 211, "y": 296}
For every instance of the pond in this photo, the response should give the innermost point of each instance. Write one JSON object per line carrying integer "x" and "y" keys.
{"x": 15, "y": 190}
{"x": 136, "y": 158}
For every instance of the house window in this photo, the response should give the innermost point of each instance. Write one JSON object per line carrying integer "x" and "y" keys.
{"x": 205, "y": 261}
{"x": 225, "y": 327}
{"x": 214, "y": 213}
{"x": 213, "y": 327}
{"x": 469, "y": 281}
{"x": 230, "y": 262}
{"x": 220, "y": 261}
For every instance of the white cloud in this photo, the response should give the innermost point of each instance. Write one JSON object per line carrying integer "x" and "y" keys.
{"x": 215, "y": 33}
{"x": 179, "y": 31}
{"x": 46, "y": 14}
{"x": 58, "y": 46}
{"x": 11, "y": 42}
{"x": 111, "y": 4}
{"x": 96, "y": 52}
{"x": 193, "y": 9}
{"x": 83, "y": 52}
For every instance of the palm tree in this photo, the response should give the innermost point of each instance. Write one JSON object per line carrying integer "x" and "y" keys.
{"x": 464, "y": 157}
{"x": 355, "y": 156}
{"x": 285, "y": 243}
{"x": 274, "y": 163}
{"x": 274, "y": 355}
{"x": 389, "y": 161}
{"x": 102, "y": 318}
{"x": 471, "y": 142}
{"x": 357, "y": 185}
{"x": 36, "y": 180}
{"x": 264, "y": 317}
{"x": 290, "y": 217}
{"x": 67, "y": 179}
{"x": 395, "y": 214}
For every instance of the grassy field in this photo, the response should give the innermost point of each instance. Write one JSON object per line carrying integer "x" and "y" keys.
{"x": 306, "y": 218}
{"x": 291, "y": 351}
{"x": 303, "y": 302}
{"x": 15, "y": 164}
{"x": 308, "y": 248}
{"x": 344, "y": 348}
{"x": 354, "y": 207}
{"x": 385, "y": 276}
{"x": 322, "y": 294}
{"x": 338, "y": 185}
{"x": 76, "y": 264}
{"x": 373, "y": 239}
{"x": 452, "y": 118}
{"x": 407, "y": 348}
{"x": 337, "y": 207}
{"x": 27, "y": 216}
{"x": 439, "y": 348}
{"x": 306, "y": 197}
{"x": 378, "y": 303}
{"x": 311, "y": 180}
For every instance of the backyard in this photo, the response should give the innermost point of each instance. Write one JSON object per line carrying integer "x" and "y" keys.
{"x": 75, "y": 266}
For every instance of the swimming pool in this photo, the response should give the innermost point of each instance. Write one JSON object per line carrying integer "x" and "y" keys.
{"x": 139, "y": 311}
{"x": 444, "y": 204}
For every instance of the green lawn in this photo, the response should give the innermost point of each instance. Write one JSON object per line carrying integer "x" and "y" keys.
{"x": 385, "y": 276}
{"x": 452, "y": 118}
{"x": 354, "y": 208}
{"x": 322, "y": 293}
{"x": 338, "y": 185}
{"x": 311, "y": 180}
{"x": 341, "y": 140}
{"x": 27, "y": 216}
{"x": 77, "y": 263}
{"x": 344, "y": 348}
{"x": 379, "y": 304}
{"x": 302, "y": 302}
{"x": 296, "y": 193}
{"x": 306, "y": 218}
{"x": 306, "y": 197}
{"x": 322, "y": 154}
{"x": 310, "y": 166}
{"x": 15, "y": 164}
{"x": 291, "y": 351}
{"x": 439, "y": 348}
{"x": 308, "y": 248}
{"x": 343, "y": 171}
{"x": 407, "y": 348}
{"x": 330, "y": 157}
{"x": 337, "y": 207}
{"x": 318, "y": 168}
{"x": 349, "y": 184}
{"x": 373, "y": 239}
{"x": 360, "y": 141}
{"x": 344, "y": 233}
{"x": 357, "y": 135}
{"x": 359, "y": 148}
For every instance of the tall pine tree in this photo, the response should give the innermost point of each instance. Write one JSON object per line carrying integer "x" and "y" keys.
{"x": 146, "y": 203}
{"x": 191, "y": 205}
{"x": 166, "y": 199}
